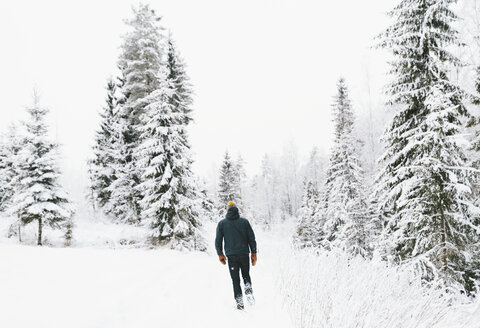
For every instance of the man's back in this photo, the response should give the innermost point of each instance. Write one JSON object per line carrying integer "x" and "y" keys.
{"x": 238, "y": 235}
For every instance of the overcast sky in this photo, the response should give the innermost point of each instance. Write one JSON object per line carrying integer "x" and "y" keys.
{"x": 264, "y": 72}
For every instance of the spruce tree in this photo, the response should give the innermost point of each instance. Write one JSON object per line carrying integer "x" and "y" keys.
{"x": 169, "y": 204}
{"x": 344, "y": 207}
{"x": 141, "y": 62}
{"x": 101, "y": 166}
{"x": 38, "y": 195}
{"x": 424, "y": 189}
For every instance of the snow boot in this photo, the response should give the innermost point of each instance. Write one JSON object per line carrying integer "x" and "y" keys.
{"x": 239, "y": 301}
{"x": 249, "y": 294}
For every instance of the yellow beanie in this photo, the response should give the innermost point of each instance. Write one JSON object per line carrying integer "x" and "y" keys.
{"x": 230, "y": 203}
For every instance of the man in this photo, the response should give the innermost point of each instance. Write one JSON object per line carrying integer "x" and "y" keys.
{"x": 239, "y": 241}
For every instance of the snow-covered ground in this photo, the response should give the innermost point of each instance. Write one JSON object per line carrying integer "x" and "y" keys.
{"x": 88, "y": 287}
{"x": 110, "y": 279}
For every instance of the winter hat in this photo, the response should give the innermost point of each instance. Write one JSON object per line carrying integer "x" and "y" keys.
{"x": 230, "y": 204}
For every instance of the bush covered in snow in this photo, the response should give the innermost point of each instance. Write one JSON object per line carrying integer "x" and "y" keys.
{"x": 332, "y": 290}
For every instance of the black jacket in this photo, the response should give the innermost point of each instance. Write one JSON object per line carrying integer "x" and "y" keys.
{"x": 238, "y": 235}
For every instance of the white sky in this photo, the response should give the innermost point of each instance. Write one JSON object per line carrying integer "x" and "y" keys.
{"x": 264, "y": 71}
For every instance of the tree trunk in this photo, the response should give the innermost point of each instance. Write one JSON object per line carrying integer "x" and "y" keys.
{"x": 19, "y": 231}
{"x": 39, "y": 241}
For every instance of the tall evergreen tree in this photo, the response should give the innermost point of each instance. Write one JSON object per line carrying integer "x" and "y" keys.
{"x": 344, "y": 207}
{"x": 38, "y": 195}
{"x": 169, "y": 204}
{"x": 101, "y": 166}
{"x": 141, "y": 62}
{"x": 424, "y": 190}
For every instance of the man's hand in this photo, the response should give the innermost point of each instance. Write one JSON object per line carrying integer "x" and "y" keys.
{"x": 254, "y": 259}
{"x": 222, "y": 259}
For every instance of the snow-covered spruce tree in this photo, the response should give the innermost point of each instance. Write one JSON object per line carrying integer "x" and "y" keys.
{"x": 344, "y": 207}
{"x": 38, "y": 195}
{"x": 140, "y": 62}
{"x": 228, "y": 189}
{"x": 169, "y": 203}
{"x": 101, "y": 166}
{"x": 307, "y": 233}
{"x": 424, "y": 191}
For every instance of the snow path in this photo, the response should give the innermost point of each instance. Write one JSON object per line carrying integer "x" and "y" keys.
{"x": 88, "y": 288}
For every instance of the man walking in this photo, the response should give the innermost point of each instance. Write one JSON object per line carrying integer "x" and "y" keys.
{"x": 239, "y": 241}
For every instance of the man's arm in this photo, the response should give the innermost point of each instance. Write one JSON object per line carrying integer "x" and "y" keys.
{"x": 251, "y": 238}
{"x": 219, "y": 244}
{"x": 219, "y": 240}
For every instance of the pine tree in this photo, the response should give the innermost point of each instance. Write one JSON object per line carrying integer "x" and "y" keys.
{"x": 141, "y": 63}
{"x": 169, "y": 203}
{"x": 228, "y": 186}
{"x": 38, "y": 195}
{"x": 424, "y": 190}
{"x": 101, "y": 166}
{"x": 344, "y": 206}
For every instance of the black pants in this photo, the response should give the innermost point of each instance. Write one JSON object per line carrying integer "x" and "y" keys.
{"x": 235, "y": 264}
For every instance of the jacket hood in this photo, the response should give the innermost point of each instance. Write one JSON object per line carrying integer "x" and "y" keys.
{"x": 232, "y": 213}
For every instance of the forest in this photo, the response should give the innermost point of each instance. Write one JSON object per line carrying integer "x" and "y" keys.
{"x": 391, "y": 210}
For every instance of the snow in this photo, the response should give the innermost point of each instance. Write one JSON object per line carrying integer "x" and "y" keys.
{"x": 104, "y": 282}
{"x": 124, "y": 287}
